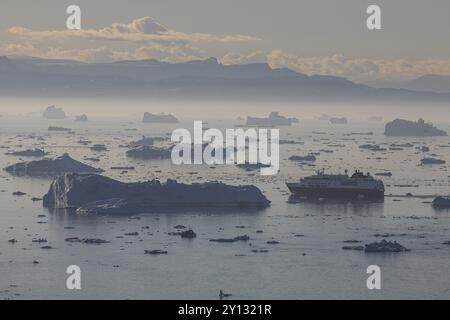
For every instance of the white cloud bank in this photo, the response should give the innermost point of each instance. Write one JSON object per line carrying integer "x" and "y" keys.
{"x": 146, "y": 38}
{"x": 356, "y": 69}
{"x": 144, "y": 29}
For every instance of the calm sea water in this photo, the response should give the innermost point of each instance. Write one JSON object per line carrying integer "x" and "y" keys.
{"x": 307, "y": 263}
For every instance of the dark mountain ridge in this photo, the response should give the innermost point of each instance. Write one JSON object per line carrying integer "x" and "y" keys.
{"x": 201, "y": 79}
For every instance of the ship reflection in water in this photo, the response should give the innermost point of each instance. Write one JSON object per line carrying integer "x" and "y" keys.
{"x": 339, "y": 205}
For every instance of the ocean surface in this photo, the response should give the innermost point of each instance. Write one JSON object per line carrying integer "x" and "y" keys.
{"x": 307, "y": 263}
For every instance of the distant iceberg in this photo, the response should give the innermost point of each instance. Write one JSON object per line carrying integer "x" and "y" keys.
{"x": 274, "y": 119}
{"x": 51, "y": 167}
{"x": 148, "y": 152}
{"x": 53, "y": 112}
{"x": 28, "y": 153}
{"x": 405, "y": 128}
{"x": 159, "y": 118}
{"x": 91, "y": 193}
{"x": 81, "y": 118}
{"x": 342, "y": 120}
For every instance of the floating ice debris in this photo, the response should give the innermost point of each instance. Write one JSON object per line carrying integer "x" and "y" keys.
{"x": 342, "y": 120}
{"x": 188, "y": 234}
{"x": 81, "y": 118}
{"x": 145, "y": 141}
{"x": 84, "y": 142}
{"x": 405, "y": 128}
{"x": 386, "y": 235}
{"x": 360, "y": 134}
{"x": 441, "y": 202}
{"x": 384, "y": 246}
{"x": 223, "y": 240}
{"x": 290, "y": 142}
{"x": 431, "y": 161}
{"x": 54, "y": 113}
{"x": 324, "y": 117}
{"x": 122, "y": 168}
{"x": 159, "y": 118}
{"x": 309, "y": 157}
{"x": 39, "y": 240}
{"x": 372, "y": 147}
{"x": 384, "y": 174}
{"x": 98, "y": 194}
{"x": 148, "y": 152}
{"x": 155, "y": 252}
{"x": 54, "y": 128}
{"x": 357, "y": 248}
{"x": 224, "y": 295}
{"x": 242, "y": 238}
{"x": 423, "y": 149}
{"x": 252, "y": 166}
{"x": 274, "y": 119}
{"x": 28, "y": 153}
{"x": 98, "y": 147}
{"x": 93, "y": 241}
{"x": 58, "y": 165}
{"x": 402, "y": 145}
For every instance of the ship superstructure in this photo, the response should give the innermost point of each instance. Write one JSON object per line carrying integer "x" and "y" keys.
{"x": 321, "y": 185}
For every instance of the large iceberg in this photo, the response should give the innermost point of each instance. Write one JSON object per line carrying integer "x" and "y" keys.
{"x": 94, "y": 193}
{"x": 51, "y": 167}
{"x": 159, "y": 118}
{"x": 274, "y": 119}
{"x": 405, "y": 128}
{"x": 53, "y": 112}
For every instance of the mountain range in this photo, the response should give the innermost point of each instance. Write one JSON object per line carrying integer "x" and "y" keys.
{"x": 428, "y": 82}
{"x": 202, "y": 79}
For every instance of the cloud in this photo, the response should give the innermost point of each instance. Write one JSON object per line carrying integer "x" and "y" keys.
{"x": 173, "y": 53}
{"x": 144, "y": 29}
{"x": 237, "y": 58}
{"x": 358, "y": 69}
{"x": 146, "y": 38}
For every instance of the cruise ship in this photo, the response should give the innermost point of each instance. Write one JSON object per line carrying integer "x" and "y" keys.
{"x": 321, "y": 185}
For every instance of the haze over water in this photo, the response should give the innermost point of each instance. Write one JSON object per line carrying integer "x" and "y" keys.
{"x": 308, "y": 261}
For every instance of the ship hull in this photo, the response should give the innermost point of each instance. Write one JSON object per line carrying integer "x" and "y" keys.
{"x": 347, "y": 193}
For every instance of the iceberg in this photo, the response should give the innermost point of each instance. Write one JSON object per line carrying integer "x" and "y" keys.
{"x": 148, "y": 152}
{"x": 405, "y": 128}
{"x": 342, "y": 120}
{"x": 53, "y": 112}
{"x": 81, "y": 118}
{"x": 159, "y": 118}
{"x": 51, "y": 167}
{"x": 274, "y": 119}
{"x": 92, "y": 193}
{"x": 28, "y": 153}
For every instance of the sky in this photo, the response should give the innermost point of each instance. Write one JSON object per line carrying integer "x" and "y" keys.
{"x": 309, "y": 36}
